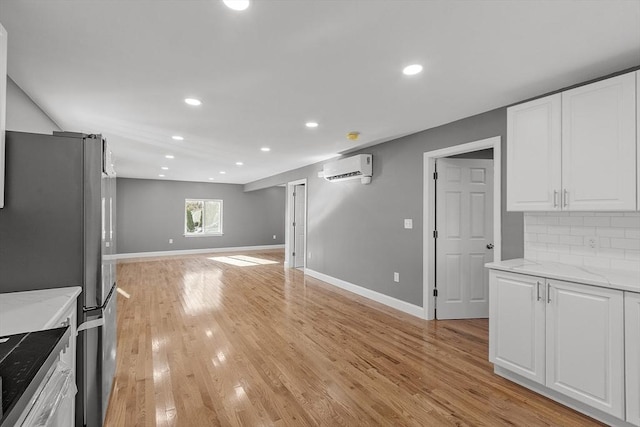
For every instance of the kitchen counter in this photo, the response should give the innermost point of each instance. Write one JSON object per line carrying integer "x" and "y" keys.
{"x": 30, "y": 316}
{"x": 26, "y": 361}
{"x": 613, "y": 279}
{"x": 34, "y": 310}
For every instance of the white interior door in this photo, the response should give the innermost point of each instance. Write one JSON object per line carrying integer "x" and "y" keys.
{"x": 299, "y": 225}
{"x": 464, "y": 222}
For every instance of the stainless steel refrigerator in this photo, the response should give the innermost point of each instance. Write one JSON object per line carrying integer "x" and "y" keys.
{"x": 57, "y": 229}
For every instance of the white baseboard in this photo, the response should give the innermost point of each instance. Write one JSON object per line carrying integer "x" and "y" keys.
{"x": 403, "y": 306}
{"x": 196, "y": 251}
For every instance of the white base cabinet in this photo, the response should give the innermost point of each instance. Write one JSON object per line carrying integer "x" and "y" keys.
{"x": 632, "y": 355}
{"x": 565, "y": 336}
{"x": 517, "y": 324}
{"x": 585, "y": 344}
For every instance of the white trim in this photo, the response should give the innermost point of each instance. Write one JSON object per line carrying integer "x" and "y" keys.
{"x": 403, "y": 306}
{"x": 428, "y": 207}
{"x": 288, "y": 235}
{"x": 196, "y": 251}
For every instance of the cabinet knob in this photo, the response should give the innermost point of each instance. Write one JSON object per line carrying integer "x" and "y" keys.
{"x": 490, "y": 246}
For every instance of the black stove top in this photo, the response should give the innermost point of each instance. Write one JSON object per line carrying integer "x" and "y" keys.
{"x": 22, "y": 357}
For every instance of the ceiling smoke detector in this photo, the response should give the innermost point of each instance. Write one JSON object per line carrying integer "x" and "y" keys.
{"x": 353, "y": 136}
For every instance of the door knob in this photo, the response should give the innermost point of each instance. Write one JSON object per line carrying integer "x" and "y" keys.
{"x": 490, "y": 246}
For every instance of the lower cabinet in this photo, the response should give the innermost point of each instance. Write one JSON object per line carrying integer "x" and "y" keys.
{"x": 632, "y": 355}
{"x": 585, "y": 344}
{"x": 517, "y": 324}
{"x": 566, "y": 336}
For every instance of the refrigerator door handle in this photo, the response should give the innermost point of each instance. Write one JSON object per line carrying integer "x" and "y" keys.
{"x": 106, "y": 302}
{"x": 90, "y": 324}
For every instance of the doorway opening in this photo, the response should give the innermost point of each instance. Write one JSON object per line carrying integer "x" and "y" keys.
{"x": 461, "y": 228}
{"x": 296, "y": 226}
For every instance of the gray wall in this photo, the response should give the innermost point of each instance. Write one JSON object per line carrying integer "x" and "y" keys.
{"x": 150, "y": 212}
{"x": 355, "y": 231}
{"x": 480, "y": 154}
{"x": 23, "y": 114}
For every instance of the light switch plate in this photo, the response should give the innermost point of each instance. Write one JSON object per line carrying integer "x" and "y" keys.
{"x": 408, "y": 223}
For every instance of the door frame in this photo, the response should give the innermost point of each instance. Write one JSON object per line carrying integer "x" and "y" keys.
{"x": 428, "y": 213}
{"x": 289, "y": 236}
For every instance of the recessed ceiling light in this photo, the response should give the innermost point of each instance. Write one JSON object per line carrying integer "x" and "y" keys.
{"x": 169, "y": 156}
{"x": 211, "y": 179}
{"x": 178, "y": 137}
{"x": 193, "y": 101}
{"x": 222, "y": 172}
{"x": 161, "y": 176}
{"x": 265, "y": 149}
{"x": 412, "y": 70}
{"x": 239, "y": 163}
{"x": 164, "y": 168}
{"x": 236, "y": 4}
{"x": 311, "y": 124}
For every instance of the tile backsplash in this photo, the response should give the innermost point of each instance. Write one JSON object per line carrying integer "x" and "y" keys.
{"x": 592, "y": 239}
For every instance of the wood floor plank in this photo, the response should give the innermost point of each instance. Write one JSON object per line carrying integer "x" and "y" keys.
{"x": 204, "y": 342}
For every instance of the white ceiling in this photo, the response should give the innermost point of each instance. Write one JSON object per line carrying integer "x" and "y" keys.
{"x": 123, "y": 68}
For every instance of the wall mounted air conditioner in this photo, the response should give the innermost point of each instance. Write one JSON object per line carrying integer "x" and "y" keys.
{"x": 356, "y": 167}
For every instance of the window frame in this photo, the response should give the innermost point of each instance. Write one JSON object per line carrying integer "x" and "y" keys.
{"x": 204, "y": 202}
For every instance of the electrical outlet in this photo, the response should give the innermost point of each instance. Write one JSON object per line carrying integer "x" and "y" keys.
{"x": 396, "y": 277}
{"x": 408, "y": 223}
{"x": 592, "y": 242}
{"x": 274, "y": 237}
{"x": 171, "y": 241}
{"x": 309, "y": 255}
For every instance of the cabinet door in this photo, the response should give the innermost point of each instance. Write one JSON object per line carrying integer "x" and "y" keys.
{"x": 517, "y": 324}
{"x": 632, "y": 355}
{"x": 638, "y": 138}
{"x": 599, "y": 145}
{"x": 585, "y": 345}
{"x": 3, "y": 106}
{"x": 534, "y": 155}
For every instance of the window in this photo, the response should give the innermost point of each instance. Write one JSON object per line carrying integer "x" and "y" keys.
{"x": 203, "y": 217}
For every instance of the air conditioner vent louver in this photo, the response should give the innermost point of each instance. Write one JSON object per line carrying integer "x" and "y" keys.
{"x": 356, "y": 167}
{"x": 345, "y": 175}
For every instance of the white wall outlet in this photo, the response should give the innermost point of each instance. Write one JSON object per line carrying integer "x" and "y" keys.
{"x": 309, "y": 255}
{"x": 274, "y": 237}
{"x": 592, "y": 242}
{"x": 408, "y": 223}
{"x": 396, "y": 277}
{"x": 170, "y": 241}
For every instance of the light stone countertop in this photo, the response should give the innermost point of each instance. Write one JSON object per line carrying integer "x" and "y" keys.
{"x": 34, "y": 310}
{"x": 613, "y": 279}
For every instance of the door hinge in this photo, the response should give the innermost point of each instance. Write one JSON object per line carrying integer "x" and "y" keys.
{"x": 293, "y": 254}
{"x": 435, "y": 175}
{"x": 435, "y": 292}
{"x": 435, "y": 234}
{"x": 294, "y": 223}
{"x": 294, "y": 194}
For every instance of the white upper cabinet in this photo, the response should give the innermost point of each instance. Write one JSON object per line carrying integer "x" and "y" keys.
{"x": 638, "y": 137}
{"x": 575, "y": 150}
{"x": 3, "y": 105}
{"x": 599, "y": 145}
{"x": 534, "y": 154}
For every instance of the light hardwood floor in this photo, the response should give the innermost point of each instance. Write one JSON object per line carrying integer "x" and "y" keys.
{"x": 204, "y": 343}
